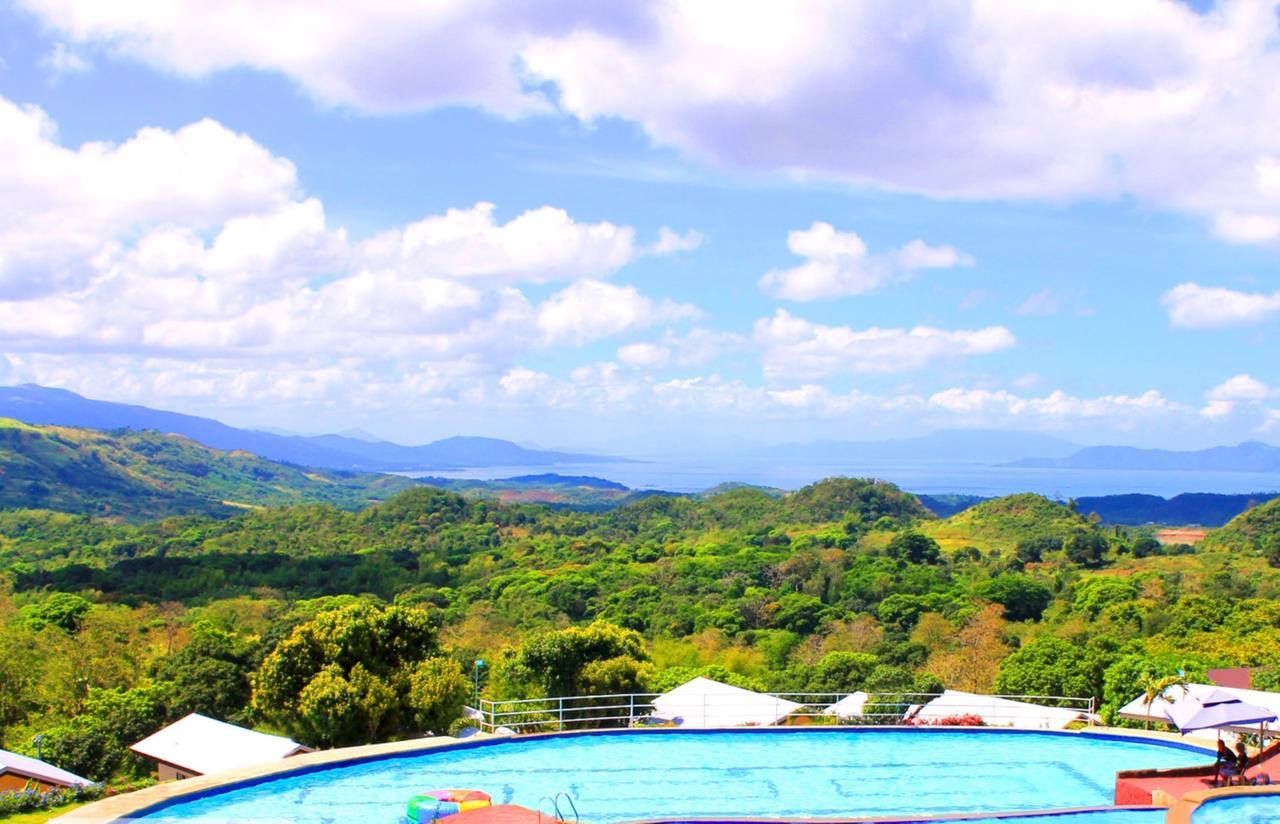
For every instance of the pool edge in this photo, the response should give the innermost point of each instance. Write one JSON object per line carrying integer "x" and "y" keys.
{"x": 129, "y": 806}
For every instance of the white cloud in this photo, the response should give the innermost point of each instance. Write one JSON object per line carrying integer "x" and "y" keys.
{"x": 1192, "y": 306}
{"x": 196, "y": 243}
{"x": 591, "y": 309}
{"x": 1239, "y": 393}
{"x": 670, "y": 241}
{"x": 62, "y": 60}
{"x": 1049, "y": 301}
{"x": 1241, "y": 388}
{"x": 839, "y": 264}
{"x": 644, "y": 355}
{"x": 793, "y": 348}
{"x": 538, "y": 246}
{"x": 1047, "y": 100}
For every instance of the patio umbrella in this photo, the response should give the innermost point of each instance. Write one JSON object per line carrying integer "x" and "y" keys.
{"x": 1215, "y": 710}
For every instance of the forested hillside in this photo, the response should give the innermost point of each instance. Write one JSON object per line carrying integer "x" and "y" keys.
{"x": 109, "y": 629}
{"x": 139, "y": 475}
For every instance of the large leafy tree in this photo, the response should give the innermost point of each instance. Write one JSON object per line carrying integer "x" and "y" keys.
{"x": 348, "y": 677}
{"x": 572, "y": 661}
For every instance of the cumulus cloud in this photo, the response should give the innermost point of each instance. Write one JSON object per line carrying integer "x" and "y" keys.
{"x": 1237, "y": 393}
{"x": 987, "y": 100}
{"x": 838, "y": 264}
{"x": 197, "y": 243}
{"x": 1192, "y": 306}
{"x": 794, "y": 348}
{"x": 592, "y": 309}
{"x": 644, "y": 355}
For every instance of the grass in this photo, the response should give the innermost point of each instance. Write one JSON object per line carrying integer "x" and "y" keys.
{"x": 40, "y": 816}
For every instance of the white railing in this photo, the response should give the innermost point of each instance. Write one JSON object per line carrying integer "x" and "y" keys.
{"x": 584, "y": 712}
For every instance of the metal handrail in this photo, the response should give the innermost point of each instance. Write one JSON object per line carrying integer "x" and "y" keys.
{"x": 624, "y": 709}
{"x": 572, "y": 805}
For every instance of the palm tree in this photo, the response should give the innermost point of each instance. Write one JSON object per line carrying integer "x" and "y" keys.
{"x": 1153, "y": 688}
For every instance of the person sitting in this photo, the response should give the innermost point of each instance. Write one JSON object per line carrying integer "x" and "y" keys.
{"x": 1230, "y": 765}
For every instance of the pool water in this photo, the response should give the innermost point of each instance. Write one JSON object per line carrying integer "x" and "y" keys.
{"x": 761, "y": 773}
{"x": 1242, "y": 809}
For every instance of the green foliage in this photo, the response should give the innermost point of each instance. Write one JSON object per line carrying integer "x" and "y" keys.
{"x": 61, "y": 609}
{"x": 1024, "y": 598}
{"x": 1086, "y": 548}
{"x": 1048, "y": 666}
{"x": 140, "y": 475}
{"x": 672, "y": 677}
{"x": 913, "y": 548}
{"x": 843, "y": 672}
{"x": 1093, "y": 595}
{"x": 346, "y": 676}
{"x": 557, "y": 662}
{"x": 1254, "y": 530}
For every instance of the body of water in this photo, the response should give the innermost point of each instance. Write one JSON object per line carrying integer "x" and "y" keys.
{"x": 763, "y": 773}
{"x": 922, "y": 477}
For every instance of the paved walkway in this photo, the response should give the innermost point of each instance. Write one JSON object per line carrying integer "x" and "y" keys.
{"x": 1143, "y": 786}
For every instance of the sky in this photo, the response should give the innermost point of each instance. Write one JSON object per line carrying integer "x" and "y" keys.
{"x": 649, "y": 226}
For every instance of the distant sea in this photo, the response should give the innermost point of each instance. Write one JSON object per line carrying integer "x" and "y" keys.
{"x": 923, "y": 477}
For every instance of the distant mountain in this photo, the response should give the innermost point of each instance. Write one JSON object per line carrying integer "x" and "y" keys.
{"x": 43, "y": 405}
{"x": 1200, "y": 508}
{"x": 141, "y": 475}
{"x": 1251, "y": 456}
{"x": 983, "y": 446}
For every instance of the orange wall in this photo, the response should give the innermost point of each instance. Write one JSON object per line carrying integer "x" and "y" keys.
{"x": 10, "y": 782}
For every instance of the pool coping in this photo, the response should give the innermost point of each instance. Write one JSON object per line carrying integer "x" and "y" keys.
{"x": 126, "y": 807}
{"x": 1183, "y": 808}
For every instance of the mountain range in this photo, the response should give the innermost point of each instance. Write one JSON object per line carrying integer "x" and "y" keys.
{"x": 1250, "y": 456}
{"x": 982, "y": 446}
{"x": 59, "y": 407}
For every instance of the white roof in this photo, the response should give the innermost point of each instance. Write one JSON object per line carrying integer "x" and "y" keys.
{"x": 201, "y": 745}
{"x": 850, "y": 706}
{"x": 706, "y": 703}
{"x": 997, "y": 712}
{"x": 1137, "y": 710}
{"x": 26, "y": 767}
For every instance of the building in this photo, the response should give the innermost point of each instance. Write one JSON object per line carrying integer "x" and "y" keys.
{"x": 20, "y": 772}
{"x": 198, "y": 745}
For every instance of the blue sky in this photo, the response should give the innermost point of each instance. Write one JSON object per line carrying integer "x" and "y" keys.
{"x": 655, "y": 223}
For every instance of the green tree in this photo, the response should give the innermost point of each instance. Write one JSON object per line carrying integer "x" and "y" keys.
{"x": 1046, "y": 666}
{"x": 438, "y": 690}
{"x": 345, "y": 677}
{"x": 61, "y": 609}
{"x": 552, "y": 663}
{"x": 1024, "y": 598}
{"x": 843, "y": 672}
{"x": 1086, "y": 548}
{"x": 914, "y": 548}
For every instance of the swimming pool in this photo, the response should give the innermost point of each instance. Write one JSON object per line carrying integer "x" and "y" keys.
{"x": 1240, "y": 809}
{"x": 742, "y": 773}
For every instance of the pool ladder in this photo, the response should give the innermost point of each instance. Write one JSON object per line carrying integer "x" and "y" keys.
{"x": 557, "y": 812}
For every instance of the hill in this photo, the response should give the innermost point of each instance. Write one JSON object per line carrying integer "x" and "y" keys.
{"x": 1003, "y": 522}
{"x": 137, "y": 475}
{"x": 58, "y": 407}
{"x": 1251, "y": 456}
{"x": 1257, "y": 529}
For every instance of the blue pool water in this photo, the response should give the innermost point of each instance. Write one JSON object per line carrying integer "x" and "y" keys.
{"x": 1245, "y": 809}
{"x": 761, "y": 773}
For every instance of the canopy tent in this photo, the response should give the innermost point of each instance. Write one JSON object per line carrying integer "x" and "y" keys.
{"x": 1159, "y": 710}
{"x": 997, "y": 712}
{"x": 1217, "y": 710}
{"x": 705, "y": 703}
{"x": 198, "y": 745}
{"x": 851, "y": 706}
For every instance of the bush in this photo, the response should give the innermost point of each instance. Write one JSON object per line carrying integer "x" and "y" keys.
{"x": 29, "y": 801}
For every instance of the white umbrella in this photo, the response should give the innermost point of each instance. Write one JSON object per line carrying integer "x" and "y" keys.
{"x": 1215, "y": 710}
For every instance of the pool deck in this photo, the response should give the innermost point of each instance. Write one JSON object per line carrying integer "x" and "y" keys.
{"x": 1163, "y": 787}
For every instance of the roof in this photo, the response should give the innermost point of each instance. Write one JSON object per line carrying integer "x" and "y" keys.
{"x": 997, "y": 712}
{"x": 1159, "y": 711}
{"x": 706, "y": 703}
{"x": 22, "y": 765}
{"x": 1234, "y": 677}
{"x": 202, "y": 745}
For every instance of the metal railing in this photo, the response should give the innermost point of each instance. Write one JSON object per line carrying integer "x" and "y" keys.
{"x": 585, "y": 712}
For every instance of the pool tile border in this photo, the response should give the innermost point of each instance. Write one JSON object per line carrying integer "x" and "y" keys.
{"x": 123, "y": 808}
